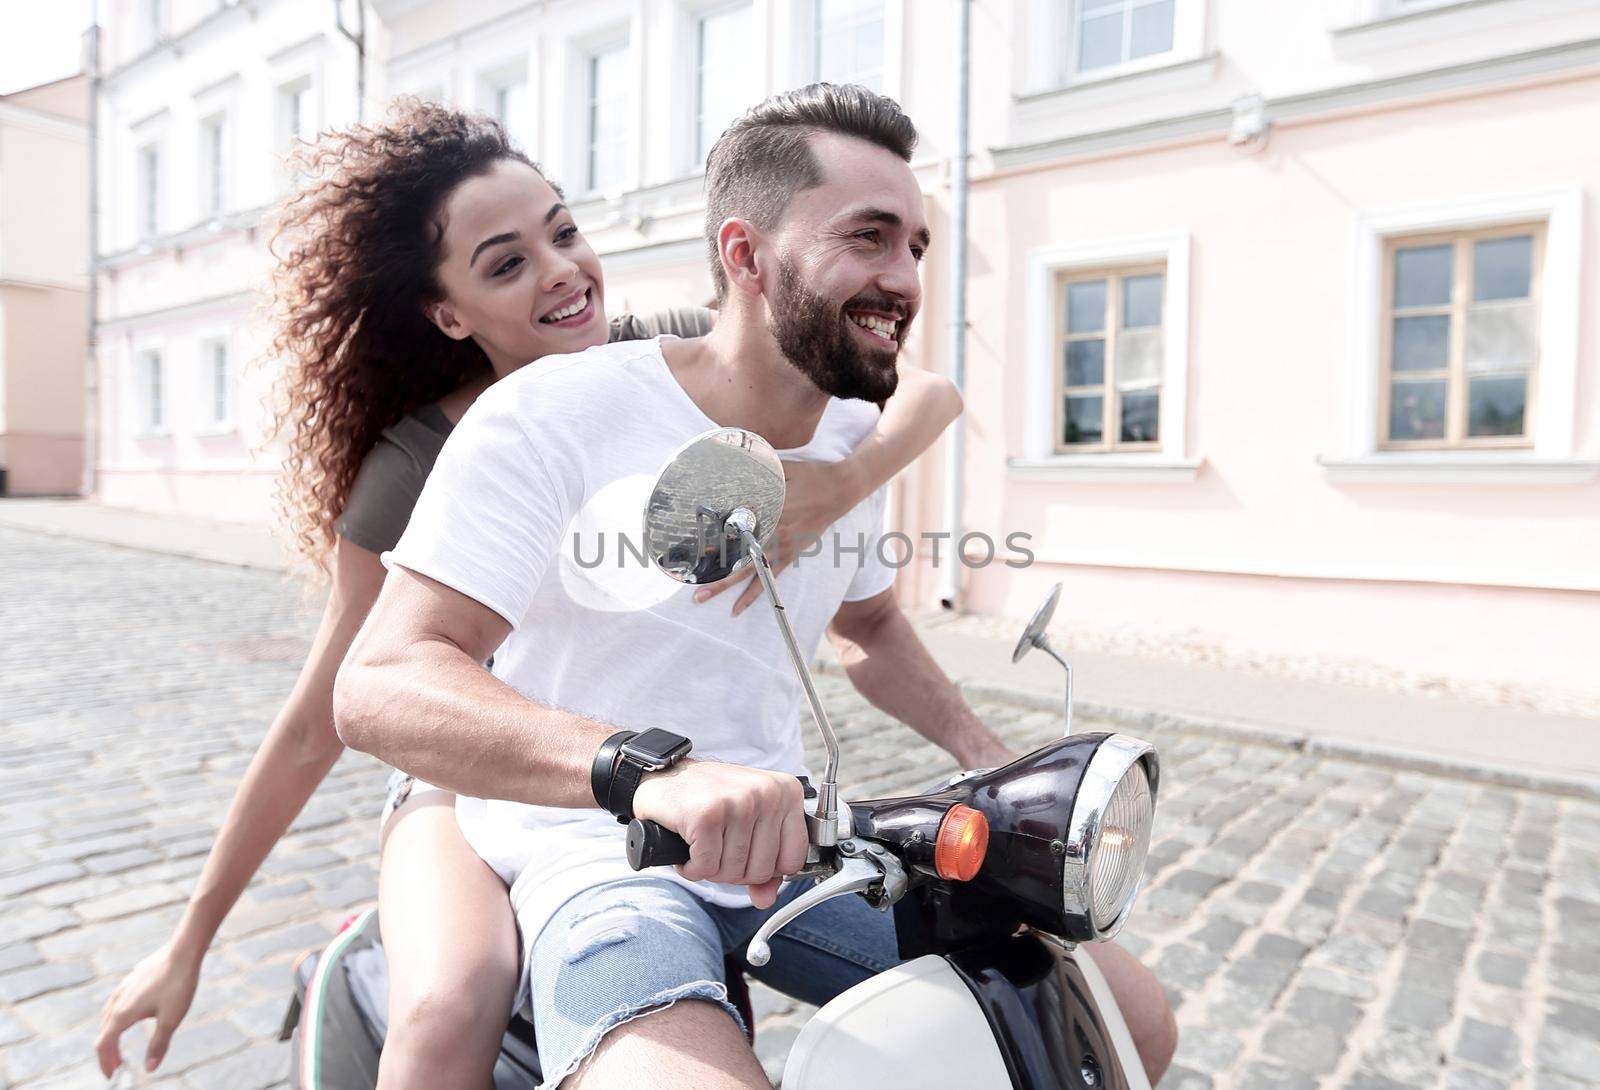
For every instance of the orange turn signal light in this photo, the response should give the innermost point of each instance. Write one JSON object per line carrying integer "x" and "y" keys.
{"x": 963, "y": 842}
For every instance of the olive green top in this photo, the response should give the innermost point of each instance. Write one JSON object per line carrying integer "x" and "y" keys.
{"x": 391, "y": 476}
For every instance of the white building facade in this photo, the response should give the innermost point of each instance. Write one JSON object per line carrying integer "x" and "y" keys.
{"x": 619, "y": 100}
{"x": 200, "y": 101}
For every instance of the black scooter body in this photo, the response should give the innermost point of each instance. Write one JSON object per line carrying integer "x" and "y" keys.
{"x": 1046, "y": 1022}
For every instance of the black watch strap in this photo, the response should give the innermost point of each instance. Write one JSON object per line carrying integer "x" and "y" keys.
{"x": 623, "y": 760}
{"x": 603, "y": 770}
{"x": 624, "y": 782}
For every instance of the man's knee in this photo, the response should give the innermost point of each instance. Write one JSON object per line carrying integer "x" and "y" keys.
{"x": 691, "y": 1043}
{"x": 1144, "y": 1006}
{"x": 1157, "y": 1041}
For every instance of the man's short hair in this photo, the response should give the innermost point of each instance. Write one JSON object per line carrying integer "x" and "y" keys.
{"x": 764, "y": 158}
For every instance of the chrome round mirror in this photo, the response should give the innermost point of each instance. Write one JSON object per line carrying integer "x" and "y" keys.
{"x": 705, "y": 481}
{"x": 1041, "y": 621}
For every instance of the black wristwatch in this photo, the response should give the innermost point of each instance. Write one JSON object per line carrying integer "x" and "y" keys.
{"x": 623, "y": 760}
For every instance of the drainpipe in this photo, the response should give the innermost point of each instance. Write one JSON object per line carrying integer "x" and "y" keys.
{"x": 956, "y": 450}
{"x": 359, "y": 40}
{"x": 91, "y": 361}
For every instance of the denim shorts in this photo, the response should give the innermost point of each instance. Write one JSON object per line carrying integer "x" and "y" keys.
{"x": 401, "y": 786}
{"x": 620, "y": 950}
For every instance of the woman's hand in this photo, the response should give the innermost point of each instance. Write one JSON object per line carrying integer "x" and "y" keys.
{"x": 817, "y": 494}
{"x": 161, "y": 987}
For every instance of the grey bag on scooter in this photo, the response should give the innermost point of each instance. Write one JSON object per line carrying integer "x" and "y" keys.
{"x": 338, "y": 1017}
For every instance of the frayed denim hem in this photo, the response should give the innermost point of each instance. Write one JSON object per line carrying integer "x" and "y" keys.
{"x": 711, "y": 990}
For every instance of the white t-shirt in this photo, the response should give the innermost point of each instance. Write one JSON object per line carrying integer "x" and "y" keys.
{"x": 575, "y": 442}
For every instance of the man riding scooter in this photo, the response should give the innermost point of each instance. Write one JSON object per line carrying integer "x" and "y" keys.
{"x": 686, "y": 717}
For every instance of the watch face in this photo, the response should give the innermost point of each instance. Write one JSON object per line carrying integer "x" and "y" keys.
{"x": 657, "y": 747}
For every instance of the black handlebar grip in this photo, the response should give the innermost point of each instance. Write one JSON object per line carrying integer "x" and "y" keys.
{"x": 652, "y": 845}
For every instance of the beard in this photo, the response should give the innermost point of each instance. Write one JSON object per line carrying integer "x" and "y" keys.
{"x": 811, "y": 334}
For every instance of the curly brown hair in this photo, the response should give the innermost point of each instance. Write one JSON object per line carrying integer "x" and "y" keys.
{"x": 363, "y": 243}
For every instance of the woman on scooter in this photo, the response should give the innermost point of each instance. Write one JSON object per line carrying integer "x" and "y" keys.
{"x": 394, "y": 314}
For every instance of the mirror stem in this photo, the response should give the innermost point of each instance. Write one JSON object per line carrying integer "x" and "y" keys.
{"x": 825, "y": 830}
{"x": 1043, "y": 643}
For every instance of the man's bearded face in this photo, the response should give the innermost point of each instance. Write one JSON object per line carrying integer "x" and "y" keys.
{"x": 829, "y": 346}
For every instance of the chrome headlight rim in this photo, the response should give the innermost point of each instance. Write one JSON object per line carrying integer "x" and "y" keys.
{"x": 1104, "y": 773}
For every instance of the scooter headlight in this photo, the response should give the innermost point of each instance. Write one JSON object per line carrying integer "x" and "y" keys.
{"x": 1109, "y": 836}
{"x": 1068, "y": 831}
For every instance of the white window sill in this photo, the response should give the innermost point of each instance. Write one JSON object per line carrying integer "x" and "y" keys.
{"x": 1400, "y": 17}
{"x": 1459, "y": 467}
{"x": 1125, "y": 468}
{"x": 1182, "y": 71}
{"x": 152, "y": 433}
{"x": 217, "y": 431}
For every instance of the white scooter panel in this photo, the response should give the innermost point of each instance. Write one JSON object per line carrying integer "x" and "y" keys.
{"x": 916, "y": 1025}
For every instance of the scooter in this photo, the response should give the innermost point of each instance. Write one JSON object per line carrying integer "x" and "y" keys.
{"x": 994, "y": 878}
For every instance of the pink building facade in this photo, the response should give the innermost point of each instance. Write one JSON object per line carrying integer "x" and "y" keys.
{"x": 1283, "y": 342}
{"x": 44, "y": 164}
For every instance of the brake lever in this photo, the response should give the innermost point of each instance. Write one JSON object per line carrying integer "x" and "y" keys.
{"x": 862, "y": 865}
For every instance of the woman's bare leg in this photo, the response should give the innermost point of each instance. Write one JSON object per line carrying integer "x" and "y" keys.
{"x": 452, "y": 944}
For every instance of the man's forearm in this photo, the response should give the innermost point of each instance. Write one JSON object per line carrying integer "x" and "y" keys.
{"x": 889, "y": 665}
{"x": 464, "y": 729}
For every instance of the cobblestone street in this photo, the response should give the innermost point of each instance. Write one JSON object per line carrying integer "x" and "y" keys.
{"x": 1318, "y": 923}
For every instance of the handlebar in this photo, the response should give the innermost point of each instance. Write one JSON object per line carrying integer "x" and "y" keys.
{"x": 653, "y": 845}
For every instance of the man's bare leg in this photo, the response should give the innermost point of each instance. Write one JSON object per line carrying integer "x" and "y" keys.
{"x": 1144, "y": 1006}
{"x": 691, "y": 1045}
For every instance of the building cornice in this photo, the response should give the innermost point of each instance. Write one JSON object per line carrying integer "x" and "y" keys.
{"x": 1310, "y": 104}
{"x": 288, "y": 52}
{"x": 29, "y": 284}
{"x": 216, "y": 86}
{"x": 207, "y": 230}
{"x": 1572, "y": 579}
{"x": 166, "y": 314}
{"x": 38, "y": 121}
{"x": 176, "y": 43}
{"x": 446, "y": 42}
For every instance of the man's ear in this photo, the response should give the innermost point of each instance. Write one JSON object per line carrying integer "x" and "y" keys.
{"x": 443, "y": 315}
{"x": 737, "y": 244}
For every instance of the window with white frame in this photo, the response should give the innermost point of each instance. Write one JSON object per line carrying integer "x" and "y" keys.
{"x": 723, "y": 76}
{"x": 148, "y": 190}
{"x": 1405, "y": 7}
{"x": 1464, "y": 349}
{"x": 607, "y": 133}
{"x": 1106, "y": 374}
{"x": 214, "y": 165}
{"x": 153, "y": 20}
{"x": 296, "y": 115}
{"x": 151, "y": 393}
{"x": 849, "y": 37}
{"x": 1109, "y": 328}
{"x": 1109, "y": 34}
{"x": 216, "y": 383}
{"x": 511, "y": 108}
{"x": 1460, "y": 330}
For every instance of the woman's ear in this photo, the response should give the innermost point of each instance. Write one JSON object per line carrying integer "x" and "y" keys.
{"x": 737, "y": 244}
{"x": 443, "y": 315}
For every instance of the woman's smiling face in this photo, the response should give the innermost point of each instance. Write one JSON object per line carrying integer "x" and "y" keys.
{"x": 517, "y": 276}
